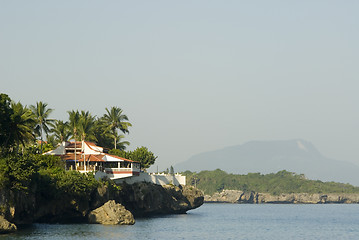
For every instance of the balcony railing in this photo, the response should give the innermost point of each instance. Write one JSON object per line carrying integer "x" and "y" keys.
{"x": 107, "y": 170}
{"x": 111, "y": 170}
{"x": 88, "y": 168}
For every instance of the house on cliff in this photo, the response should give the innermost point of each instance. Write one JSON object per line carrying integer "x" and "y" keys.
{"x": 87, "y": 157}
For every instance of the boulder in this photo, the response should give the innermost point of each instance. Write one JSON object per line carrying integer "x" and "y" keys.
{"x": 6, "y": 226}
{"x": 111, "y": 213}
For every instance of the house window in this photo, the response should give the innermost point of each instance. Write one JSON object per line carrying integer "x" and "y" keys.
{"x": 73, "y": 151}
{"x": 111, "y": 165}
{"x": 125, "y": 165}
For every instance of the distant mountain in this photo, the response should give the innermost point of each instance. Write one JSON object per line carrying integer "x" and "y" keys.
{"x": 297, "y": 156}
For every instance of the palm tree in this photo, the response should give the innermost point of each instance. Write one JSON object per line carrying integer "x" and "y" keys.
{"x": 51, "y": 139}
{"x": 42, "y": 121}
{"x": 86, "y": 126}
{"x": 102, "y": 134}
{"x": 61, "y": 131}
{"x": 116, "y": 120}
{"x": 74, "y": 117}
{"x": 22, "y": 124}
{"x": 122, "y": 145}
{"x": 5, "y": 121}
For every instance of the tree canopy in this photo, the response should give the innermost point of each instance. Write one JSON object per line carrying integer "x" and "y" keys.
{"x": 41, "y": 115}
{"x": 140, "y": 154}
{"x": 115, "y": 119}
{"x": 19, "y": 125}
{"x": 274, "y": 183}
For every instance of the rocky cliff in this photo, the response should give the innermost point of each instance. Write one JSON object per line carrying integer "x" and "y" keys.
{"x": 235, "y": 196}
{"x": 143, "y": 199}
{"x": 140, "y": 199}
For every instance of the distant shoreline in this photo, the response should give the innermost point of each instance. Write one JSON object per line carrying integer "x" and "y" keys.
{"x": 240, "y": 197}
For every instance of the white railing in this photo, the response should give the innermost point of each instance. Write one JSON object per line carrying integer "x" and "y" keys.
{"x": 118, "y": 169}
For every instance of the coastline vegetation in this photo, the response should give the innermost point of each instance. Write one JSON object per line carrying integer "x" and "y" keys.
{"x": 273, "y": 183}
{"x": 22, "y": 133}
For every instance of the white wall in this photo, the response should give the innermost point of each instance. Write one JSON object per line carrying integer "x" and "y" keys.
{"x": 160, "y": 179}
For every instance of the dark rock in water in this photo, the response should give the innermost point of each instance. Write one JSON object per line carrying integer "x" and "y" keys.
{"x": 6, "y": 226}
{"x": 111, "y": 213}
{"x": 144, "y": 199}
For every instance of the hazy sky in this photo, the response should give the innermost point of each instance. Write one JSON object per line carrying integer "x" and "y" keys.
{"x": 192, "y": 76}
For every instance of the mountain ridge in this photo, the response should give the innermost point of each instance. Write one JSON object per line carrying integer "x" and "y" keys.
{"x": 295, "y": 155}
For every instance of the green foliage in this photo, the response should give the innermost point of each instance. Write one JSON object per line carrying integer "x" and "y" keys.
{"x": 36, "y": 148}
{"x": 113, "y": 187}
{"x": 55, "y": 182}
{"x": 86, "y": 126}
{"x": 144, "y": 156}
{"x": 17, "y": 172}
{"x": 274, "y": 183}
{"x": 16, "y": 125}
{"x": 61, "y": 131}
{"x": 48, "y": 162}
{"x": 20, "y": 171}
{"x": 22, "y": 124}
{"x": 172, "y": 171}
{"x": 120, "y": 153}
{"x": 115, "y": 119}
{"x": 74, "y": 120}
{"x": 102, "y": 134}
{"x": 140, "y": 154}
{"x": 5, "y": 120}
{"x": 19, "y": 125}
{"x": 41, "y": 114}
{"x": 75, "y": 183}
{"x": 47, "y": 173}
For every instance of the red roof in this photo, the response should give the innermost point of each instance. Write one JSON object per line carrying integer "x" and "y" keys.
{"x": 94, "y": 158}
{"x": 72, "y": 145}
{"x": 79, "y": 157}
{"x": 124, "y": 159}
{"x": 88, "y": 157}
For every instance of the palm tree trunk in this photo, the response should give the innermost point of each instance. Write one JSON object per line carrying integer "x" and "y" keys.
{"x": 115, "y": 142}
{"x": 75, "y": 155}
{"x": 41, "y": 138}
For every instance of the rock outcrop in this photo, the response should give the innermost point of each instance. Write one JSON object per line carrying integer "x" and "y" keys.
{"x": 6, "y": 226}
{"x": 111, "y": 213}
{"x": 235, "y": 196}
{"x": 141, "y": 199}
{"x": 144, "y": 199}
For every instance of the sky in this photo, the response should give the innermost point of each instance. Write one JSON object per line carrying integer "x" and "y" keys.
{"x": 192, "y": 76}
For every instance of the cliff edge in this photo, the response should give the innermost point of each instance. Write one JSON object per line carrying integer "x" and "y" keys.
{"x": 141, "y": 199}
{"x": 144, "y": 199}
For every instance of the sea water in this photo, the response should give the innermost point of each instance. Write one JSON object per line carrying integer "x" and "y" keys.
{"x": 219, "y": 221}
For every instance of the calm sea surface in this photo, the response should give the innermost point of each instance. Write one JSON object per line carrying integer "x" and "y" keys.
{"x": 220, "y": 221}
